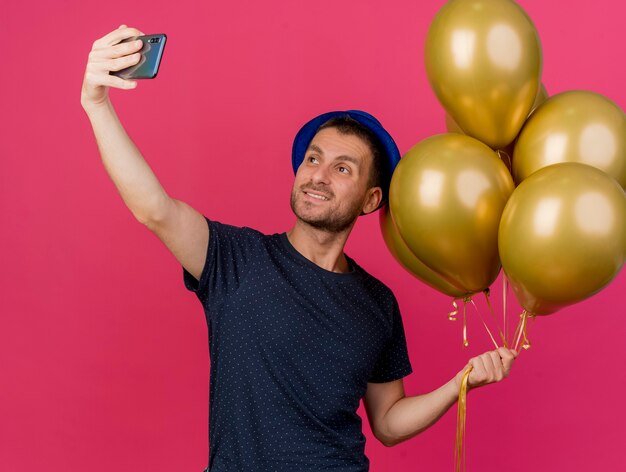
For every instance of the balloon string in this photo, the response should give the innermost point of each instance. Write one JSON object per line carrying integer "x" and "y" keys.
{"x": 508, "y": 162}
{"x": 493, "y": 315}
{"x": 527, "y": 344}
{"x": 522, "y": 330}
{"x": 455, "y": 310}
{"x": 485, "y": 325}
{"x": 504, "y": 293}
{"x": 465, "y": 341}
{"x": 519, "y": 323}
{"x": 459, "y": 450}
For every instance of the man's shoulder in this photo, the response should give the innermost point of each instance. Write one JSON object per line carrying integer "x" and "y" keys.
{"x": 235, "y": 229}
{"x": 244, "y": 237}
{"x": 375, "y": 283}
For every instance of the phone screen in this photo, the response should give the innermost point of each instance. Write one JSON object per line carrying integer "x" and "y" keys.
{"x": 151, "y": 54}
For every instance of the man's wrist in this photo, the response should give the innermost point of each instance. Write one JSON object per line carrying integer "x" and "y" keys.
{"x": 452, "y": 388}
{"x": 94, "y": 108}
{"x": 458, "y": 379}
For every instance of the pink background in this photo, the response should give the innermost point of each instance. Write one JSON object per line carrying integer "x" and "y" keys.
{"x": 103, "y": 353}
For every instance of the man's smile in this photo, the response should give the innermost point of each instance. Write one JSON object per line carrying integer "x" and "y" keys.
{"x": 315, "y": 195}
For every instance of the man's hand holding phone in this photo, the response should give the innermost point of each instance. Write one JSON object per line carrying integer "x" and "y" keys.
{"x": 110, "y": 53}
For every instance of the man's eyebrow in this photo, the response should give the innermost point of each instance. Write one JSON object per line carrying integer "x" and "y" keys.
{"x": 344, "y": 157}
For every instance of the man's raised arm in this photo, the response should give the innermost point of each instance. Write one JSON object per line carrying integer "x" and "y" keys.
{"x": 181, "y": 228}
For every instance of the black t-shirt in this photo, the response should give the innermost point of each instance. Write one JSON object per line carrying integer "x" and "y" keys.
{"x": 292, "y": 347}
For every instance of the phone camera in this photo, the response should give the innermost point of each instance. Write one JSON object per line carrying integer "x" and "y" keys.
{"x": 154, "y": 40}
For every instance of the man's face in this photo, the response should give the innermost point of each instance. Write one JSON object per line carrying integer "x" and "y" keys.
{"x": 330, "y": 188}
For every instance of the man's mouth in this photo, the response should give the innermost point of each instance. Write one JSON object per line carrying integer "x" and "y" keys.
{"x": 316, "y": 196}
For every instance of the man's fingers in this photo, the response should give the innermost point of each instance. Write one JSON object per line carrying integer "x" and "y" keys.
{"x": 115, "y": 37}
{"x": 498, "y": 373}
{"x": 508, "y": 356}
{"x": 112, "y": 81}
{"x": 478, "y": 374}
{"x": 115, "y": 51}
{"x": 105, "y": 65}
{"x": 118, "y": 82}
{"x": 122, "y": 62}
{"x": 490, "y": 366}
{"x": 507, "y": 353}
{"x": 124, "y": 26}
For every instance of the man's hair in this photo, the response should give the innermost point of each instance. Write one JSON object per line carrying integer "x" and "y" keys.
{"x": 348, "y": 125}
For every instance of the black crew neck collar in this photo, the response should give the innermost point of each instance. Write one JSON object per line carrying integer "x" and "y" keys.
{"x": 307, "y": 262}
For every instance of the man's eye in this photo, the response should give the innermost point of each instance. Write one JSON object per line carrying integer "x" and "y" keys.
{"x": 312, "y": 157}
{"x": 345, "y": 168}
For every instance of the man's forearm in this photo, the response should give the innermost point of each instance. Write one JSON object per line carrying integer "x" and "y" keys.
{"x": 410, "y": 416}
{"x": 134, "y": 179}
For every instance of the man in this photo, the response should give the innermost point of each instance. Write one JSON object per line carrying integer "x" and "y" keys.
{"x": 299, "y": 333}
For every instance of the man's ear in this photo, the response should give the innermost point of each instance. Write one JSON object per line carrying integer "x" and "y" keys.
{"x": 374, "y": 196}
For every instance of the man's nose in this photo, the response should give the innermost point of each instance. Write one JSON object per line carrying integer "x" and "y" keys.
{"x": 321, "y": 174}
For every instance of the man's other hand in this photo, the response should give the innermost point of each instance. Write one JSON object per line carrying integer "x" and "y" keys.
{"x": 490, "y": 367}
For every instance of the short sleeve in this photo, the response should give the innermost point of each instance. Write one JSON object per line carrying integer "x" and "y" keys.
{"x": 229, "y": 256}
{"x": 393, "y": 362}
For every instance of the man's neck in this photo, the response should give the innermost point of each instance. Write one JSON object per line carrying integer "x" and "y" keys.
{"x": 320, "y": 247}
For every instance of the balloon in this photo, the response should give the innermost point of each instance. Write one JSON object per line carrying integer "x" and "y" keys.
{"x": 453, "y": 127}
{"x": 575, "y": 126}
{"x": 542, "y": 96}
{"x": 483, "y": 61}
{"x": 562, "y": 236}
{"x": 446, "y": 197}
{"x": 407, "y": 259}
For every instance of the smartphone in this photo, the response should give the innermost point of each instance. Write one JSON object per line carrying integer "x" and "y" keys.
{"x": 151, "y": 54}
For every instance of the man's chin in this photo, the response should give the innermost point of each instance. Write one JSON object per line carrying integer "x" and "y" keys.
{"x": 319, "y": 218}
{"x": 315, "y": 222}
{"x": 324, "y": 224}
